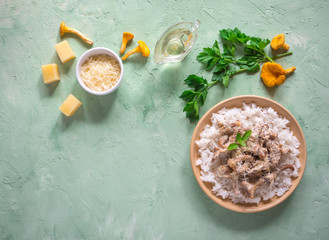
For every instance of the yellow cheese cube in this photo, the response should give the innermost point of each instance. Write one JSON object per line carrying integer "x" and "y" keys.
{"x": 64, "y": 51}
{"x": 70, "y": 105}
{"x": 50, "y": 73}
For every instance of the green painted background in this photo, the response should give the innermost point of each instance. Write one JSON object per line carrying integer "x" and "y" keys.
{"x": 119, "y": 168}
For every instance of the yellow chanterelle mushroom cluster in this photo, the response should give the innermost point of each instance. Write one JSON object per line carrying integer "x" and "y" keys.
{"x": 273, "y": 73}
{"x": 142, "y": 47}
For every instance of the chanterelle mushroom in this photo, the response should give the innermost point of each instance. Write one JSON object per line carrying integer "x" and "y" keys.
{"x": 65, "y": 29}
{"x": 279, "y": 42}
{"x": 142, "y": 47}
{"x": 127, "y": 36}
{"x": 274, "y": 74}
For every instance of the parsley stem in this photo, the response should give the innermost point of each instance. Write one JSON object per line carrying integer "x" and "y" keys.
{"x": 263, "y": 53}
{"x": 268, "y": 58}
{"x": 277, "y": 56}
{"x": 240, "y": 70}
{"x": 282, "y": 55}
{"x": 236, "y": 72}
{"x": 211, "y": 84}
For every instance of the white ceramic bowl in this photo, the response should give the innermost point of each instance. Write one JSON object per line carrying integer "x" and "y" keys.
{"x": 94, "y": 52}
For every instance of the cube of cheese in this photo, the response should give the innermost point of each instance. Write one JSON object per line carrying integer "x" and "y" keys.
{"x": 64, "y": 51}
{"x": 50, "y": 73}
{"x": 70, "y": 105}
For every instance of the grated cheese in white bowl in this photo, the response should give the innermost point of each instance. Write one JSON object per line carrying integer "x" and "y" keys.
{"x": 100, "y": 73}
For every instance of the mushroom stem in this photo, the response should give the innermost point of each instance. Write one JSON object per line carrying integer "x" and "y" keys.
{"x": 125, "y": 39}
{"x": 142, "y": 48}
{"x": 123, "y": 47}
{"x": 285, "y": 46}
{"x": 131, "y": 52}
{"x": 65, "y": 29}
{"x": 188, "y": 39}
{"x": 289, "y": 70}
{"x": 281, "y": 55}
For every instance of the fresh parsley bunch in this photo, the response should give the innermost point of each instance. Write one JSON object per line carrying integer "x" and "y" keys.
{"x": 224, "y": 65}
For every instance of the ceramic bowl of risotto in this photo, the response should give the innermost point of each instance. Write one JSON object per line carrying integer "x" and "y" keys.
{"x": 248, "y": 153}
{"x": 99, "y": 71}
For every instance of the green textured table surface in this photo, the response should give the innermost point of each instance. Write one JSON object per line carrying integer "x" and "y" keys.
{"x": 119, "y": 168}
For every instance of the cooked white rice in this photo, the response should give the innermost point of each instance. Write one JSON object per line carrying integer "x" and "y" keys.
{"x": 250, "y": 117}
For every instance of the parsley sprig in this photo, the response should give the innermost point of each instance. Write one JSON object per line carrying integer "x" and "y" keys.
{"x": 195, "y": 98}
{"x": 240, "y": 140}
{"x": 224, "y": 65}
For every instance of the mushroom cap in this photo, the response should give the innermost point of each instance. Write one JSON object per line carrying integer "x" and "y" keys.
{"x": 144, "y": 49}
{"x": 277, "y": 41}
{"x": 272, "y": 74}
{"x": 127, "y": 36}
{"x": 62, "y": 29}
